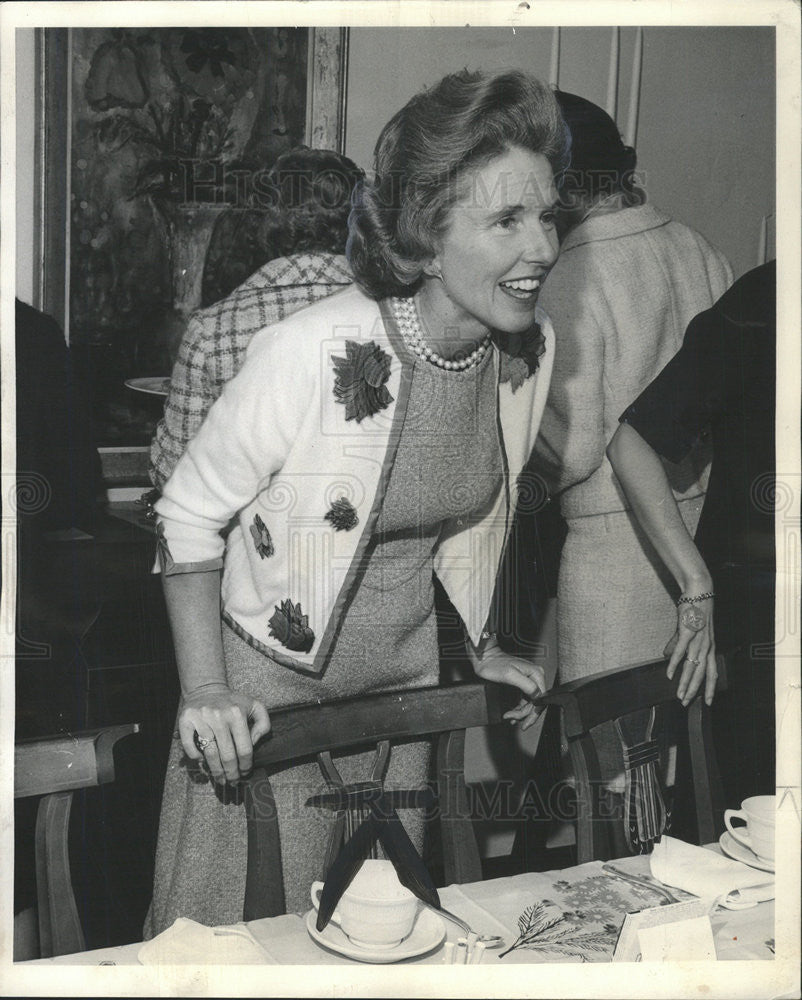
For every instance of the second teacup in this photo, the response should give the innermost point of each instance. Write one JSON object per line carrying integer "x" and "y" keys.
{"x": 375, "y": 911}
{"x": 758, "y": 834}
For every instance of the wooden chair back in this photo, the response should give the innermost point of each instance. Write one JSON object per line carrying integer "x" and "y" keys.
{"x": 54, "y": 767}
{"x": 626, "y": 694}
{"x": 315, "y": 731}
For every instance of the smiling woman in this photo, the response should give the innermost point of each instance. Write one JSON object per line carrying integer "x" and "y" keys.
{"x": 438, "y": 361}
{"x": 499, "y": 245}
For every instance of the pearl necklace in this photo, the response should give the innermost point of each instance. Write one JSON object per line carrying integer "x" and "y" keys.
{"x": 406, "y": 315}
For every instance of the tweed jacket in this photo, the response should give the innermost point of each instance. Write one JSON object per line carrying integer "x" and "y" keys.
{"x": 213, "y": 347}
{"x": 620, "y": 297}
{"x": 279, "y": 449}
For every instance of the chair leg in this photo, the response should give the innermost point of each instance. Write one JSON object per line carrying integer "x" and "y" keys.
{"x": 707, "y": 789}
{"x": 461, "y": 861}
{"x": 264, "y": 885}
{"x": 544, "y": 776}
{"x": 59, "y": 927}
{"x": 592, "y": 839}
{"x": 26, "y": 935}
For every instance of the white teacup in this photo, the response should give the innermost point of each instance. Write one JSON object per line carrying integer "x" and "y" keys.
{"x": 758, "y": 834}
{"x": 375, "y": 911}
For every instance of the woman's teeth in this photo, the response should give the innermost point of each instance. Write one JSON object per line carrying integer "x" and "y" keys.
{"x": 525, "y": 285}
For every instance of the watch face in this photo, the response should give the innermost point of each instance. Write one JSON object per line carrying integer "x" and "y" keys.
{"x": 692, "y": 618}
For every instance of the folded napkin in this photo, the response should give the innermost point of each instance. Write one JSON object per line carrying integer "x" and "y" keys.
{"x": 189, "y": 943}
{"x": 699, "y": 871}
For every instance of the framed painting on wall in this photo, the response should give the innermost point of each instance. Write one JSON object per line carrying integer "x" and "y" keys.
{"x": 148, "y": 199}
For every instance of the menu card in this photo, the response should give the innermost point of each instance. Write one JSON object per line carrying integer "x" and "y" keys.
{"x": 678, "y": 932}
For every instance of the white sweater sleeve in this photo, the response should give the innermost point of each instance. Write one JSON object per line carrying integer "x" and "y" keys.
{"x": 243, "y": 441}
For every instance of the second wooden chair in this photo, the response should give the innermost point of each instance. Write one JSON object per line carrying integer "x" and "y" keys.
{"x": 643, "y": 703}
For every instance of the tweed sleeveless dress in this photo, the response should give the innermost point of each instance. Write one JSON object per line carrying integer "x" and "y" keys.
{"x": 448, "y": 464}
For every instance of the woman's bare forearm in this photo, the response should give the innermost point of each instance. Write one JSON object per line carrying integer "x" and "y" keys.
{"x": 644, "y": 481}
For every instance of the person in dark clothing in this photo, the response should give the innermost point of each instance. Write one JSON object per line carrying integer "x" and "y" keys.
{"x": 58, "y": 467}
{"x": 58, "y": 485}
{"x": 722, "y": 383}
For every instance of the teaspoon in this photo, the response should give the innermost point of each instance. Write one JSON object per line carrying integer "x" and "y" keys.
{"x": 488, "y": 940}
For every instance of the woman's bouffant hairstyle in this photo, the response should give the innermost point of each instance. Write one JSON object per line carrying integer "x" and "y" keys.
{"x": 309, "y": 201}
{"x": 601, "y": 164}
{"x": 423, "y": 154}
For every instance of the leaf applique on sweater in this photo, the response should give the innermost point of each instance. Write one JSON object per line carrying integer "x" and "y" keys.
{"x": 360, "y": 380}
{"x": 261, "y": 538}
{"x": 342, "y": 515}
{"x": 520, "y": 357}
{"x": 290, "y": 626}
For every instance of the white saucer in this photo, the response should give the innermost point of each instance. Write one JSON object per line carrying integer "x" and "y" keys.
{"x": 158, "y": 386}
{"x": 427, "y": 933}
{"x": 740, "y": 852}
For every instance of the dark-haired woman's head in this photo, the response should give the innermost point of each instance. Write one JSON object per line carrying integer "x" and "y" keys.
{"x": 602, "y": 166}
{"x": 309, "y": 202}
{"x": 425, "y": 159}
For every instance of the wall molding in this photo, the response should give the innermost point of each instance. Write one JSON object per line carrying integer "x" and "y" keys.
{"x": 327, "y": 85}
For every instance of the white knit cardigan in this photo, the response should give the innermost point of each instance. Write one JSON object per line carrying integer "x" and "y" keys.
{"x": 277, "y": 444}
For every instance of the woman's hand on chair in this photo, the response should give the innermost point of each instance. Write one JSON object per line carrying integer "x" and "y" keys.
{"x": 695, "y": 649}
{"x": 504, "y": 668}
{"x": 221, "y": 727}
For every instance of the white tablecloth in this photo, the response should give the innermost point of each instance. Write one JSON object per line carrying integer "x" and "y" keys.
{"x": 593, "y": 902}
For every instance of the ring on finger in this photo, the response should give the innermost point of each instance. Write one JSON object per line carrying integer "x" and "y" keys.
{"x": 690, "y": 659}
{"x": 202, "y": 742}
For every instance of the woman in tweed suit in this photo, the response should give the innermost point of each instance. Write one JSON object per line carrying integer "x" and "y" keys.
{"x": 369, "y": 443}
{"x": 626, "y": 285}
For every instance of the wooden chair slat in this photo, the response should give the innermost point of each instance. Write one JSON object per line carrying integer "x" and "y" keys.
{"x": 601, "y": 697}
{"x": 305, "y": 730}
{"x": 66, "y": 760}
{"x": 264, "y": 887}
{"x": 461, "y": 861}
{"x": 60, "y": 930}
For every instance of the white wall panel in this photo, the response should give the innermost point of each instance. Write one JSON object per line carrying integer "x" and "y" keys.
{"x": 705, "y": 116}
